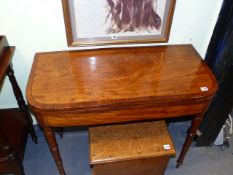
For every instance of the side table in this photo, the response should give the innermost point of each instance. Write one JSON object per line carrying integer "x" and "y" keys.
{"x": 14, "y": 124}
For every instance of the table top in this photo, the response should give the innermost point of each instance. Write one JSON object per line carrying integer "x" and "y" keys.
{"x": 87, "y": 79}
{"x": 6, "y": 54}
{"x": 6, "y": 60}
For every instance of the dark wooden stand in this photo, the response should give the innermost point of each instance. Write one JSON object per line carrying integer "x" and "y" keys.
{"x": 22, "y": 106}
{"x": 14, "y": 124}
{"x": 13, "y": 138}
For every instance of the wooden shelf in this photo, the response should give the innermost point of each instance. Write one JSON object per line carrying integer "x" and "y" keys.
{"x": 15, "y": 128}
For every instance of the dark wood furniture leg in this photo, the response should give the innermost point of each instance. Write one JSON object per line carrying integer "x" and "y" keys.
{"x": 18, "y": 168}
{"x": 6, "y": 148}
{"x": 14, "y": 167}
{"x": 60, "y": 131}
{"x": 188, "y": 141}
{"x": 50, "y": 137}
{"x": 19, "y": 97}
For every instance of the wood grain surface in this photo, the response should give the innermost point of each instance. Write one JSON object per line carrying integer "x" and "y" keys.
{"x": 82, "y": 80}
{"x": 148, "y": 166}
{"x": 3, "y": 45}
{"x": 6, "y": 54}
{"x": 112, "y": 143}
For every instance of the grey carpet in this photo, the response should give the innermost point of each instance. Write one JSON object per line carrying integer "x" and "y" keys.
{"x": 74, "y": 151}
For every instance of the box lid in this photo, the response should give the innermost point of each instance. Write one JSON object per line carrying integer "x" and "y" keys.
{"x": 112, "y": 143}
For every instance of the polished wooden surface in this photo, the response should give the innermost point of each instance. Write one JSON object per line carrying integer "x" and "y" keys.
{"x": 147, "y": 166}
{"x": 112, "y": 143}
{"x": 3, "y": 45}
{"x": 6, "y": 60}
{"x": 6, "y": 55}
{"x": 132, "y": 148}
{"x": 84, "y": 80}
{"x": 94, "y": 87}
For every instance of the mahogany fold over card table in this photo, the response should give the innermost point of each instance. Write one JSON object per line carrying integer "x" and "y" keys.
{"x": 103, "y": 86}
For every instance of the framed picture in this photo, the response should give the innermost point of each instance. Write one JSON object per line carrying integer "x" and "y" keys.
{"x": 102, "y": 22}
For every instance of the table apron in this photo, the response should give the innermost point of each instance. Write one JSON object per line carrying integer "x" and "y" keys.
{"x": 74, "y": 118}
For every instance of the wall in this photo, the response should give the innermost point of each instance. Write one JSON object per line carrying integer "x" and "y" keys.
{"x": 38, "y": 25}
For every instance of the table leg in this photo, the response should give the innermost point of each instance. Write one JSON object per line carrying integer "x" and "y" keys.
{"x": 17, "y": 167}
{"x": 188, "y": 141}
{"x": 22, "y": 106}
{"x": 49, "y": 135}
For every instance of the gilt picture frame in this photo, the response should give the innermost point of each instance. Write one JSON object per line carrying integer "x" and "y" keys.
{"x": 109, "y": 22}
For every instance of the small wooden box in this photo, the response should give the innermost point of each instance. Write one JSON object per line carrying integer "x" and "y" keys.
{"x": 130, "y": 149}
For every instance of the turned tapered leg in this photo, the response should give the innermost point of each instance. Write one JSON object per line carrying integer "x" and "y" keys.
{"x": 60, "y": 131}
{"x": 191, "y": 133}
{"x": 50, "y": 137}
{"x": 22, "y": 106}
